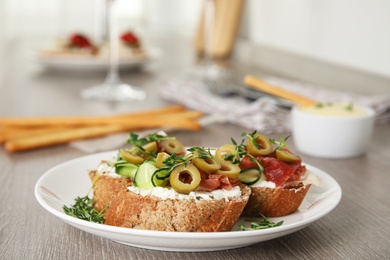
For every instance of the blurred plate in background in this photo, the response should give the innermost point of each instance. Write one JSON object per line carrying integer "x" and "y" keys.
{"x": 94, "y": 63}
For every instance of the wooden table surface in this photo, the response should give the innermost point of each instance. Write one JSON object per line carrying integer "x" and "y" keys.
{"x": 357, "y": 229}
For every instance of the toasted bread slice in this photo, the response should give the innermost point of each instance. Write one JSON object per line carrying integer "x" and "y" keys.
{"x": 128, "y": 209}
{"x": 105, "y": 189}
{"x": 275, "y": 202}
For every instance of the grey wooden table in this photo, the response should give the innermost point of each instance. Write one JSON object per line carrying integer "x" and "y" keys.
{"x": 357, "y": 229}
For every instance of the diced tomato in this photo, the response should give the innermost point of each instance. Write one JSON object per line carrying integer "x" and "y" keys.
{"x": 210, "y": 182}
{"x": 247, "y": 162}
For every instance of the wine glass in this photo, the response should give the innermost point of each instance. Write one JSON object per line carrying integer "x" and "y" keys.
{"x": 214, "y": 73}
{"x": 113, "y": 89}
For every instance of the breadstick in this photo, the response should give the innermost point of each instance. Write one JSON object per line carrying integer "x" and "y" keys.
{"x": 10, "y": 133}
{"x": 68, "y": 135}
{"x": 260, "y": 85}
{"x": 125, "y": 121}
{"x": 84, "y": 120}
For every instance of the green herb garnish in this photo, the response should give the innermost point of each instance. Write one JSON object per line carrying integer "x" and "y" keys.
{"x": 281, "y": 143}
{"x": 239, "y": 152}
{"x": 135, "y": 140}
{"x": 257, "y": 225}
{"x": 252, "y": 138}
{"x": 84, "y": 210}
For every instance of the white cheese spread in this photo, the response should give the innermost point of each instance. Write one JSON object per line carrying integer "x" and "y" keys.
{"x": 263, "y": 184}
{"x": 170, "y": 193}
{"x": 105, "y": 170}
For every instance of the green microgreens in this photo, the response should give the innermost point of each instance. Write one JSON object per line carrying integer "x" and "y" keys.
{"x": 239, "y": 152}
{"x": 281, "y": 143}
{"x": 201, "y": 152}
{"x": 175, "y": 160}
{"x": 138, "y": 142}
{"x": 257, "y": 225}
{"x": 253, "y": 159}
{"x": 252, "y": 138}
{"x": 83, "y": 209}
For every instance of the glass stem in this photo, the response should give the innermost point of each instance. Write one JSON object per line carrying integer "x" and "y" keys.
{"x": 209, "y": 23}
{"x": 113, "y": 74}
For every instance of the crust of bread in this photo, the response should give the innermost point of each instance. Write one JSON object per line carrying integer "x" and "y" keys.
{"x": 127, "y": 209}
{"x": 105, "y": 189}
{"x": 275, "y": 202}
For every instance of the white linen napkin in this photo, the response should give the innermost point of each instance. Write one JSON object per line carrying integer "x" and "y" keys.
{"x": 265, "y": 114}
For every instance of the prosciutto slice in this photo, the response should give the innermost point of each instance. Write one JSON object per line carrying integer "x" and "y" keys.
{"x": 276, "y": 171}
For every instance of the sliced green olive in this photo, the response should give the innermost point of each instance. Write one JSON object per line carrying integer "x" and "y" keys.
{"x": 264, "y": 145}
{"x": 185, "y": 178}
{"x": 161, "y": 157}
{"x": 147, "y": 152}
{"x": 286, "y": 156}
{"x": 224, "y": 150}
{"x": 209, "y": 165}
{"x": 229, "y": 169}
{"x": 150, "y": 147}
{"x": 172, "y": 146}
{"x": 130, "y": 157}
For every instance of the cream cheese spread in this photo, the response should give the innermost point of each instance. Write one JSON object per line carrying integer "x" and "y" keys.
{"x": 263, "y": 184}
{"x": 105, "y": 170}
{"x": 170, "y": 193}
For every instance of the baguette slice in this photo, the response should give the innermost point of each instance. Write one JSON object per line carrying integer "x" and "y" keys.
{"x": 128, "y": 209}
{"x": 275, "y": 202}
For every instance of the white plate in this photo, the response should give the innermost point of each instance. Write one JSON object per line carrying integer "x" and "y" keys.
{"x": 93, "y": 63}
{"x": 62, "y": 184}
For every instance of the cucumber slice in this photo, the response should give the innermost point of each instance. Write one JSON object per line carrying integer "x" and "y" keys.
{"x": 163, "y": 173}
{"x": 143, "y": 176}
{"x": 250, "y": 176}
{"x": 126, "y": 169}
{"x": 160, "y": 177}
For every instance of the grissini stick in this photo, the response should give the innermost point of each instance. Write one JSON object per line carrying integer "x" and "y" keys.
{"x": 15, "y": 132}
{"x": 265, "y": 87}
{"x": 68, "y": 135}
{"x": 10, "y": 133}
{"x": 87, "y": 120}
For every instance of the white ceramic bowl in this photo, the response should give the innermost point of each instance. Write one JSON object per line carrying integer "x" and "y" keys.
{"x": 332, "y": 136}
